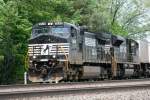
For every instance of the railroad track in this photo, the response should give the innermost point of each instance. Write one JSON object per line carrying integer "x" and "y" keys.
{"x": 23, "y": 91}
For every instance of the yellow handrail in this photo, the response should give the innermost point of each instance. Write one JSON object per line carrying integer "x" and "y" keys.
{"x": 65, "y": 57}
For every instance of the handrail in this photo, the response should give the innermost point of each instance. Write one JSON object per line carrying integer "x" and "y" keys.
{"x": 65, "y": 57}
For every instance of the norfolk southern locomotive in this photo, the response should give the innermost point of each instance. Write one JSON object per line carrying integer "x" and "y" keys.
{"x": 63, "y": 51}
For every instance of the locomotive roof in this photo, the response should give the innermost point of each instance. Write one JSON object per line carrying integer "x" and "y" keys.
{"x": 55, "y": 23}
{"x": 103, "y": 35}
{"x": 119, "y": 37}
{"x": 51, "y": 24}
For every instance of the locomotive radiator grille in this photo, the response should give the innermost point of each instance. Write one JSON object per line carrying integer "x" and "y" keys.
{"x": 48, "y": 49}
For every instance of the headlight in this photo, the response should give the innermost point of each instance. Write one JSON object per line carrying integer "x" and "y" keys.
{"x": 34, "y": 57}
{"x": 54, "y": 56}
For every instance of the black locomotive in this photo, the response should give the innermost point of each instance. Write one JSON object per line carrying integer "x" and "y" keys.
{"x": 63, "y": 51}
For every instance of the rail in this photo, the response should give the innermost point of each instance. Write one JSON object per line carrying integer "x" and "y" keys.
{"x": 98, "y": 84}
{"x": 24, "y": 92}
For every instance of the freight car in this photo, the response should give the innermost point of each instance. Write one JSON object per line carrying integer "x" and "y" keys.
{"x": 63, "y": 51}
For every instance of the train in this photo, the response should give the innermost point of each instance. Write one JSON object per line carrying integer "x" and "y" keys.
{"x": 61, "y": 51}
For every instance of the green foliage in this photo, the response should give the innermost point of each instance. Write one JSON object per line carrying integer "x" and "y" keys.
{"x": 14, "y": 34}
{"x": 146, "y": 3}
{"x": 117, "y": 29}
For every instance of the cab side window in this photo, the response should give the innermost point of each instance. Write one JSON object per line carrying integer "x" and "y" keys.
{"x": 73, "y": 32}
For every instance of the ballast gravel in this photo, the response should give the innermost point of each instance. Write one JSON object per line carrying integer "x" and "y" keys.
{"x": 129, "y": 94}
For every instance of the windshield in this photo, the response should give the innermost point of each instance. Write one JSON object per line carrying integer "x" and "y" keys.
{"x": 61, "y": 32}
{"x": 41, "y": 30}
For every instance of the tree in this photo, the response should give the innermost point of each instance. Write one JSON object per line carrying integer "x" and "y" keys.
{"x": 116, "y": 16}
{"x": 146, "y": 3}
{"x": 45, "y": 10}
{"x": 14, "y": 35}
